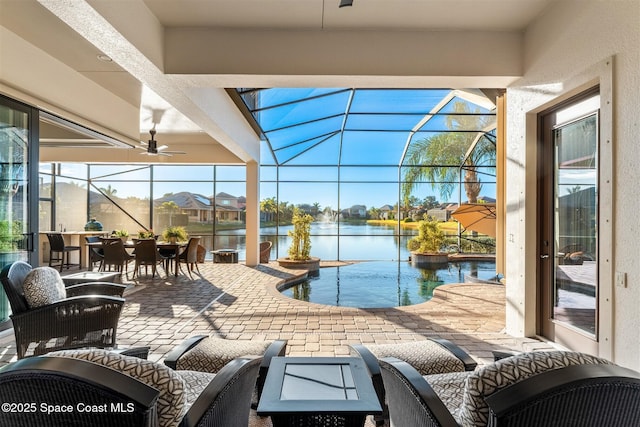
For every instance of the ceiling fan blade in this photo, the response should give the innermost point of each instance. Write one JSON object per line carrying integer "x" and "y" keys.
{"x": 162, "y": 147}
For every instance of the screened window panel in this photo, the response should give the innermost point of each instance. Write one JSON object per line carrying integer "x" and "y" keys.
{"x": 273, "y": 97}
{"x": 308, "y": 173}
{"x": 71, "y": 203}
{"x": 384, "y": 122}
{"x": 356, "y": 199}
{"x": 372, "y": 248}
{"x": 120, "y": 172}
{"x": 396, "y": 100}
{"x": 323, "y": 154}
{"x": 306, "y": 111}
{"x": 231, "y": 173}
{"x": 268, "y": 173}
{"x": 369, "y": 174}
{"x": 288, "y": 153}
{"x": 73, "y": 170}
{"x": 182, "y": 172}
{"x": 303, "y": 132}
{"x": 266, "y": 156}
{"x": 371, "y": 148}
{"x": 450, "y": 107}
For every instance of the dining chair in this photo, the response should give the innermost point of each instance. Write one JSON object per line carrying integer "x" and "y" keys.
{"x": 146, "y": 254}
{"x": 59, "y": 250}
{"x": 189, "y": 256}
{"x": 96, "y": 253}
{"x": 115, "y": 255}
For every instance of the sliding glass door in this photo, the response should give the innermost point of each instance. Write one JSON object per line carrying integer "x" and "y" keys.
{"x": 16, "y": 239}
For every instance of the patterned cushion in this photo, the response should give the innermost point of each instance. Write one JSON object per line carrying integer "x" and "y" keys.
{"x": 496, "y": 376}
{"x": 212, "y": 354}
{"x": 172, "y": 398}
{"x": 195, "y": 383}
{"x": 427, "y": 357}
{"x": 450, "y": 389}
{"x": 43, "y": 286}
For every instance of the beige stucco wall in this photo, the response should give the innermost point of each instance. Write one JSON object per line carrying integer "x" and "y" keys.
{"x": 575, "y": 44}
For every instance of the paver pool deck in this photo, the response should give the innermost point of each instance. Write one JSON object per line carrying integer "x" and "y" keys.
{"x": 239, "y": 302}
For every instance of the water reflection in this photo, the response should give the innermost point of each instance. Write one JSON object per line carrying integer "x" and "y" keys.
{"x": 383, "y": 284}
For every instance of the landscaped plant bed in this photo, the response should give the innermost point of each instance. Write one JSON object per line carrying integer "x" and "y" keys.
{"x": 312, "y": 264}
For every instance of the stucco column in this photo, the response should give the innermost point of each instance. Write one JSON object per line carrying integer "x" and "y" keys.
{"x": 253, "y": 213}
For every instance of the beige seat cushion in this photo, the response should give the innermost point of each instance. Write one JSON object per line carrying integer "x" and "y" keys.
{"x": 427, "y": 357}
{"x": 212, "y": 354}
{"x": 172, "y": 400}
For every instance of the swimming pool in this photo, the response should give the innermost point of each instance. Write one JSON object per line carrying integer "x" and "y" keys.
{"x": 380, "y": 284}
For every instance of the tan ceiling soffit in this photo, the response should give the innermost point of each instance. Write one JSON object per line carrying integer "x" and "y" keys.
{"x": 58, "y": 111}
{"x": 107, "y": 26}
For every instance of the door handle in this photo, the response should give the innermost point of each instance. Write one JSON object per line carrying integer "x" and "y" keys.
{"x": 545, "y": 256}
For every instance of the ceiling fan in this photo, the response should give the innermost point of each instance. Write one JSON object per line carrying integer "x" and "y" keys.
{"x": 151, "y": 148}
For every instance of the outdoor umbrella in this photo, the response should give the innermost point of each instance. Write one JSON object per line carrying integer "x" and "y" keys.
{"x": 480, "y": 217}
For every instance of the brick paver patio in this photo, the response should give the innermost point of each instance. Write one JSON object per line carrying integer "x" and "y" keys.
{"x": 238, "y": 302}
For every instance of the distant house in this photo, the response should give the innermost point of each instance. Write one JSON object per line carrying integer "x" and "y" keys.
{"x": 355, "y": 211}
{"x": 228, "y": 207}
{"x": 386, "y": 212}
{"x": 443, "y": 212}
{"x": 196, "y": 207}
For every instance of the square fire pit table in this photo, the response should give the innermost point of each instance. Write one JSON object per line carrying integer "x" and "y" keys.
{"x": 90, "y": 276}
{"x": 318, "y": 391}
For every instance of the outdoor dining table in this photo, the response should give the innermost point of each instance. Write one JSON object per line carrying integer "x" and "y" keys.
{"x": 129, "y": 244}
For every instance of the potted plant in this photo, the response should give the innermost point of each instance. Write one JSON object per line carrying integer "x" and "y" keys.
{"x": 123, "y": 234}
{"x": 175, "y": 233}
{"x": 145, "y": 234}
{"x": 299, "y": 251}
{"x": 425, "y": 247}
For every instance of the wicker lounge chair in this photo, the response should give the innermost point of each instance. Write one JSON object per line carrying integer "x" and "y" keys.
{"x": 83, "y": 315}
{"x": 529, "y": 389}
{"x": 136, "y": 392}
{"x": 431, "y": 356}
{"x": 207, "y": 354}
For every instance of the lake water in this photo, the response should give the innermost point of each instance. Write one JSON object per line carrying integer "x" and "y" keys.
{"x": 383, "y": 283}
{"x": 355, "y": 242}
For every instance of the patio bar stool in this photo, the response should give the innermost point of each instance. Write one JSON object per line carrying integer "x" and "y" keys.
{"x": 59, "y": 250}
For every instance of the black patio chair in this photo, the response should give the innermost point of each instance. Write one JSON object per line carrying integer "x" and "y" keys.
{"x": 115, "y": 256}
{"x": 189, "y": 256}
{"x": 86, "y": 317}
{"x": 60, "y": 251}
{"x": 136, "y": 392}
{"x": 146, "y": 254}
{"x": 430, "y": 356}
{"x": 527, "y": 390}
{"x": 96, "y": 254}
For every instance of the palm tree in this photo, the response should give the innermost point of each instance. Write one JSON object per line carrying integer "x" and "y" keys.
{"x": 437, "y": 158}
{"x": 269, "y": 207}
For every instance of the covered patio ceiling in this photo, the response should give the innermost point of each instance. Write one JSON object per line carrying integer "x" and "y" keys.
{"x": 253, "y": 44}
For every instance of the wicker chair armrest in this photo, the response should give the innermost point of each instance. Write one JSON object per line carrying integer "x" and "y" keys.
{"x": 96, "y": 288}
{"x": 69, "y": 306}
{"x": 469, "y": 363}
{"x": 69, "y": 381}
{"x": 369, "y": 358}
{"x": 235, "y": 382}
{"x": 435, "y": 413}
{"x": 598, "y": 394}
{"x": 276, "y": 348}
{"x": 171, "y": 360}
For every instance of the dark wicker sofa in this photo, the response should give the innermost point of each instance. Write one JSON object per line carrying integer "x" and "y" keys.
{"x": 530, "y": 389}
